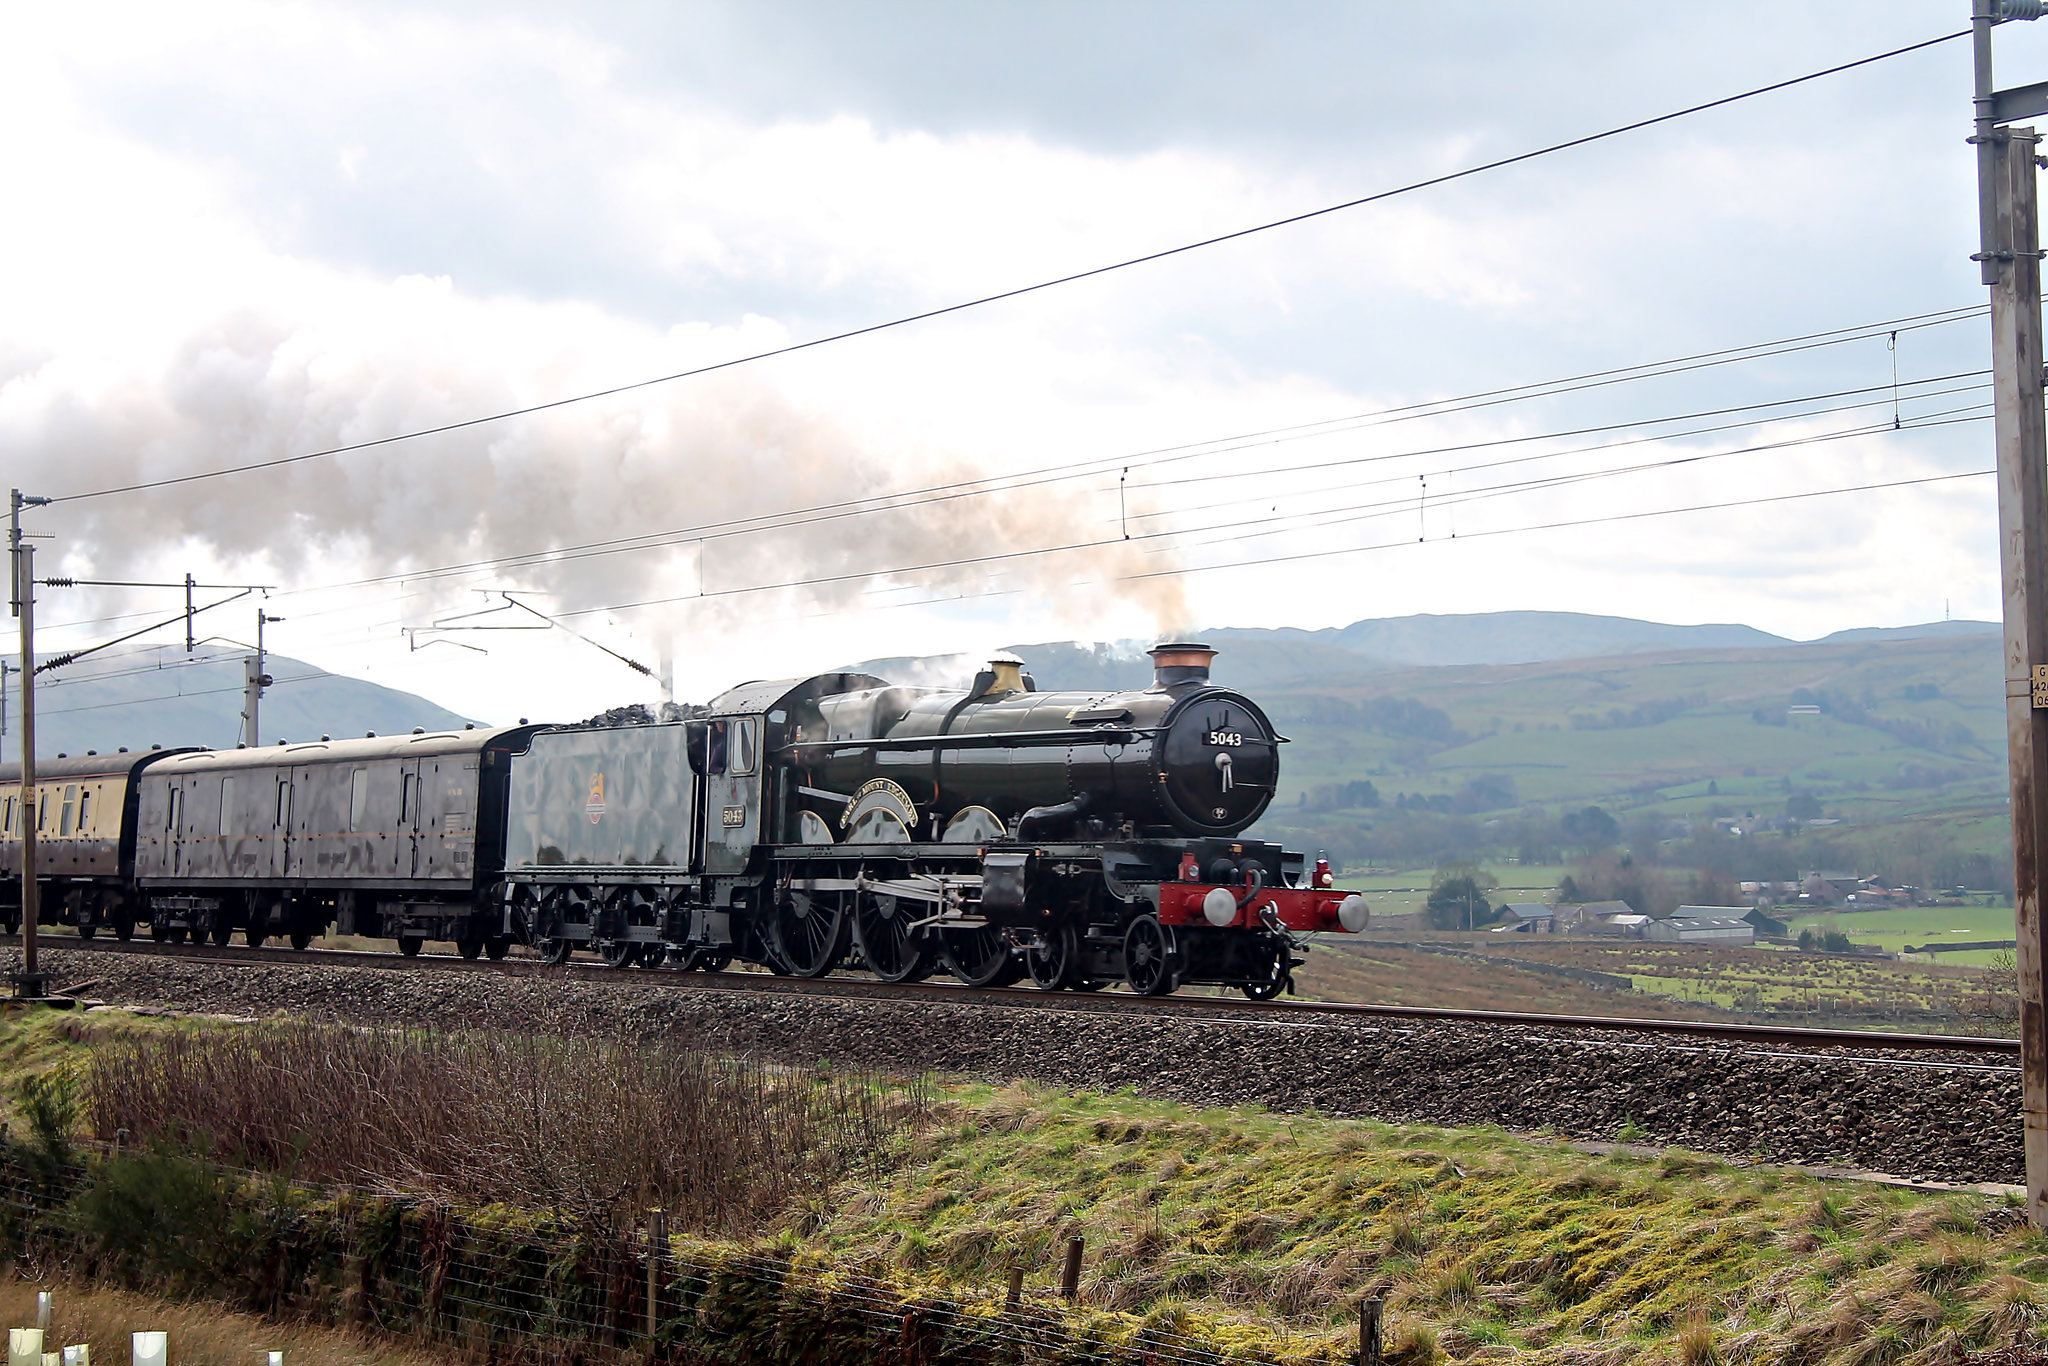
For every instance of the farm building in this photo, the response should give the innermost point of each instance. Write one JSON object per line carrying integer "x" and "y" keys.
{"x": 1528, "y": 917}
{"x": 1699, "y": 929}
{"x": 1581, "y": 918}
{"x": 1625, "y": 926}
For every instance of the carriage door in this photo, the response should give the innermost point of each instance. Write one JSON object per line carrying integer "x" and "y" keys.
{"x": 732, "y": 797}
{"x": 281, "y": 826}
{"x": 409, "y": 804}
{"x": 174, "y": 809}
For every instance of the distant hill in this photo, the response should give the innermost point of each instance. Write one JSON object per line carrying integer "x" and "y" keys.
{"x": 1261, "y": 656}
{"x": 1528, "y": 637}
{"x": 1930, "y": 629}
{"x": 153, "y": 696}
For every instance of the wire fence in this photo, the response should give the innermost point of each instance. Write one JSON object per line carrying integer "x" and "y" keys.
{"x": 505, "y": 1285}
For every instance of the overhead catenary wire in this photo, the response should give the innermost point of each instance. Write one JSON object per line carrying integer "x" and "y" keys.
{"x": 991, "y": 484}
{"x": 997, "y": 484}
{"x": 1380, "y": 196}
{"x": 1002, "y": 557}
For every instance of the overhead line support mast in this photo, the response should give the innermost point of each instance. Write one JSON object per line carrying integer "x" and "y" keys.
{"x": 2009, "y": 252}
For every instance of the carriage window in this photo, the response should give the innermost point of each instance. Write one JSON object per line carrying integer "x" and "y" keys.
{"x": 85, "y": 811}
{"x": 7, "y": 818}
{"x": 405, "y": 792}
{"x": 42, "y": 810}
{"x": 171, "y": 812}
{"x": 743, "y": 746}
{"x": 227, "y": 804}
{"x": 358, "y": 797}
{"x": 68, "y": 809}
{"x": 284, "y": 786}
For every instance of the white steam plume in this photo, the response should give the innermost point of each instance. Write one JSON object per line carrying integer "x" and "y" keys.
{"x": 265, "y": 382}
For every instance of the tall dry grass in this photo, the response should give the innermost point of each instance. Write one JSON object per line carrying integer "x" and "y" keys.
{"x": 590, "y": 1127}
{"x": 200, "y": 1334}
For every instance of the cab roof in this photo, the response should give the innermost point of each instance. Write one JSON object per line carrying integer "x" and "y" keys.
{"x": 765, "y": 694}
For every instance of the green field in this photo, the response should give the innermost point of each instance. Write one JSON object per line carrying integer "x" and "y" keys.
{"x": 1404, "y": 892}
{"x": 1896, "y": 927}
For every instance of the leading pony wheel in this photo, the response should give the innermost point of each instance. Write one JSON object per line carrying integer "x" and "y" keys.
{"x": 1148, "y": 960}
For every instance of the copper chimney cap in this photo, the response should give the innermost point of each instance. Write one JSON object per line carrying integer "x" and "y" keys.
{"x": 1180, "y": 661}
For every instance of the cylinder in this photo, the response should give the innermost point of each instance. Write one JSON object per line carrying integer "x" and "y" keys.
{"x": 1070, "y": 1274}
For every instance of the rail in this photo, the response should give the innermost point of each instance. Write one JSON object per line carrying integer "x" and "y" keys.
{"x": 1296, "y": 1012}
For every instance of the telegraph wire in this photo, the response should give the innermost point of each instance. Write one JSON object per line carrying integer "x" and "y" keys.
{"x": 1020, "y": 291}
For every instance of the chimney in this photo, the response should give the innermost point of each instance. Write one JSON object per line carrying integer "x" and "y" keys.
{"x": 1178, "y": 663}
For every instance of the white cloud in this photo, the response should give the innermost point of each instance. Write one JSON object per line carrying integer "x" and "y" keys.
{"x": 259, "y": 230}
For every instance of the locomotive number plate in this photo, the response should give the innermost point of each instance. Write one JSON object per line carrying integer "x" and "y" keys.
{"x": 1229, "y": 738}
{"x": 734, "y": 815}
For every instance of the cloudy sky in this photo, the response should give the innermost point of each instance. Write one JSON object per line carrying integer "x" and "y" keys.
{"x": 237, "y": 233}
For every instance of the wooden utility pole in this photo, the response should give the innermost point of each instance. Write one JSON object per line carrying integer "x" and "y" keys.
{"x": 2009, "y": 251}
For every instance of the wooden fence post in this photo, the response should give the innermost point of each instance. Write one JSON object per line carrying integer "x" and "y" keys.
{"x": 1369, "y": 1312}
{"x": 1070, "y": 1274}
{"x": 1011, "y": 1300}
{"x": 657, "y": 1256}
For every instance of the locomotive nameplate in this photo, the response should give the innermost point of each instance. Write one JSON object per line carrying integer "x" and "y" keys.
{"x": 884, "y": 792}
{"x": 1230, "y": 739}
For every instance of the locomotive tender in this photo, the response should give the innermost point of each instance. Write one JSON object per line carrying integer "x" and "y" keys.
{"x": 1084, "y": 838}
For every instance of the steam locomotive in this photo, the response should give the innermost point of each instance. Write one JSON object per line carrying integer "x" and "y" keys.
{"x": 805, "y": 825}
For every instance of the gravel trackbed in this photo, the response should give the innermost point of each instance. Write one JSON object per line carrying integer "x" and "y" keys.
{"x": 1944, "y": 1117}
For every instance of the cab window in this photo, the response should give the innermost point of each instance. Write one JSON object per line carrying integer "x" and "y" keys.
{"x": 742, "y": 747}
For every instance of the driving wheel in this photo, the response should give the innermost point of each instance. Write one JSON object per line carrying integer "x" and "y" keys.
{"x": 809, "y": 932}
{"x": 979, "y": 957}
{"x": 881, "y": 927}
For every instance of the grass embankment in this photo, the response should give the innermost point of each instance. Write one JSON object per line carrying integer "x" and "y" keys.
{"x": 1484, "y": 1244}
{"x": 1255, "y": 1233}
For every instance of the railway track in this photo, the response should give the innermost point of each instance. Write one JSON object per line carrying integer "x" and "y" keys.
{"x": 1300, "y": 1013}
